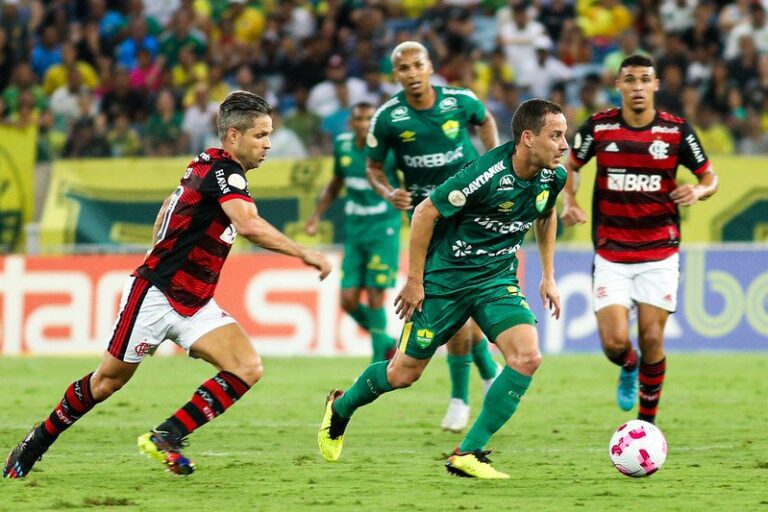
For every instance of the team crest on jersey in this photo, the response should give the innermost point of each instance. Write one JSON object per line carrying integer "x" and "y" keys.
{"x": 407, "y": 136}
{"x": 506, "y": 206}
{"x": 457, "y": 198}
{"x": 507, "y": 182}
{"x": 447, "y": 104}
{"x": 541, "y": 200}
{"x": 236, "y": 181}
{"x": 424, "y": 337}
{"x": 659, "y": 150}
{"x": 345, "y": 160}
{"x": 513, "y": 290}
{"x": 451, "y": 128}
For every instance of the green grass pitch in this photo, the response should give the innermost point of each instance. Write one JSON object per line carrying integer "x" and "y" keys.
{"x": 262, "y": 454}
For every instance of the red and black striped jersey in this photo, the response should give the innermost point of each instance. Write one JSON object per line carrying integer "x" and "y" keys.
{"x": 196, "y": 235}
{"x": 634, "y": 217}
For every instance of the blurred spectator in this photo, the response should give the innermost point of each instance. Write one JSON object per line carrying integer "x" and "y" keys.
{"x": 127, "y": 51}
{"x": 285, "y": 142}
{"x": 56, "y": 76}
{"x": 489, "y": 71}
{"x": 670, "y": 94}
{"x": 337, "y": 91}
{"x": 756, "y": 90}
{"x": 743, "y": 67}
{"x": 516, "y": 38}
{"x": 67, "y": 101}
{"x": 189, "y": 69}
{"x": 89, "y": 45}
{"x": 47, "y": 51}
{"x": 122, "y": 99}
{"x": 23, "y": 79}
{"x": 123, "y": 139}
{"x": 574, "y": 49}
{"x": 675, "y": 53}
{"x": 547, "y": 71}
{"x": 754, "y": 25}
{"x": 18, "y": 30}
{"x": 716, "y": 91}
{"x": 629, "y": 44}
{"x": 146, "y": 75}
{"x": 111, "y": 22}
{"x": 736, "y": 117}
{"x": 602, "y": 20}
{"x": 197, "y": 117}
{"x": 296, "y": 20}
{"x": 179, "y": 34}
{"x": 163, "y": 135}
{"x": 677, "y": 15}
{"x": 503, "y": 100}
{"x": 700, "y": 67}
{"x": 556, "y": 14}
{"x": 85, "y": 141}
{"x": 218, "y": 88}
{"x": 731, "y": 14}
{"x": 161, "y": 10}
{"x": 6, "y": 59}
{"x": 376, "y": 89}
{"x": 303, "y": 122}
{"x": 590, "y": 101}
{"x": 713, "y": 134}
{"x": 755, "y": 140}
{"x": 248, "y": 22}
{"x": 703, "y": 34}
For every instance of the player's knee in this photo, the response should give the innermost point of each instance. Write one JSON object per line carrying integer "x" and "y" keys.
{"x": 349, "y": 304}
{"x": 525, "y": 362}
{"x": 250, "y": 371}
{"x": 102, "y": 388}
{"x": 613, "y": 344}
{"x": 403, "y": 379}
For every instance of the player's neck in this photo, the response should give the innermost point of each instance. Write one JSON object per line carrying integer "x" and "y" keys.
{"x": 523, "y": 167}
{"x": 360, "y": 142}
{"x": 638, "y": 119}
{"x": 423, "y": 101}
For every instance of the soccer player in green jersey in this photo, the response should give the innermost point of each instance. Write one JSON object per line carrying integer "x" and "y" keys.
{"x": 426, "y": 127}
{"x": 463, "y": 263}
{"x": 371, "y": 232}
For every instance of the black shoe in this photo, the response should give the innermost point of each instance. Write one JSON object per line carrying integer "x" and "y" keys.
{"x": 24, "y": 456}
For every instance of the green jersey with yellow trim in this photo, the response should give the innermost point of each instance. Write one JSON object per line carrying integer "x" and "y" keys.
{"x": 430, "y": 145}
{"x": 365, "y": 210}
{"x": 487, "y": 209}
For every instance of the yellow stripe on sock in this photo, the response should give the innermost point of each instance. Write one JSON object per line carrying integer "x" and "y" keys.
{"x": 404, "y": 337}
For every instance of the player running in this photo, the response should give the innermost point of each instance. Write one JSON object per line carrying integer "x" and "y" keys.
{"x": 170, "y": 295}
{"x": 371, "y": 232}
{"x": 426, "y": 127}
{"x": 636, "y": 224}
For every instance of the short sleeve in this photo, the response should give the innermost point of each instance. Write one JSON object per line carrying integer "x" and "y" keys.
{"x": 226, "y": 181}
{"x": 583, "y": 148}
{"x": 377, "y": 143}
{"x": 459, "y": 191}
{"x": 692, "y": 153}
{"x": 476, "y": 112}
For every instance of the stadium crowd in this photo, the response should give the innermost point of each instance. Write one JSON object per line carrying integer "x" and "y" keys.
{"x": 145, "y": 77}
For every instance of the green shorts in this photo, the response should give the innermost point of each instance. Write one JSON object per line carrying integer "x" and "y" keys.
{"x": 371, "y": 262}
{"x": 495, "y": 308}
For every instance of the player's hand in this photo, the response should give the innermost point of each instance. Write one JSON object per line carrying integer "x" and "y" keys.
{"x": 311, "y": 226}
{"x": 410, "y": 298}
{"x": 572, "y": 215}
{"x": 550, "y": 296}
{"x": 319, "y": 261}
{"x": 686, "y": 195}
{"x": 400, "y": 199}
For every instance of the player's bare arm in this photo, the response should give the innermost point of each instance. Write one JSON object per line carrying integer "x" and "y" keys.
{"x": 257, "y": 230}
{"x": 396, "y": 196}
{"x": 411, "y": 296}
{"x": 572, "y": 212}
{"x": 159, "y": 219}
{"x": 687, "y": 194}
{"x": 330, "y": 193}
{"x": 545, "y": 229}
{"x": 488, "y": 133}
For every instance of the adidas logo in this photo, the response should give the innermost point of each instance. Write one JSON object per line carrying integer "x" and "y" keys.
{"x": 612, "y": 148}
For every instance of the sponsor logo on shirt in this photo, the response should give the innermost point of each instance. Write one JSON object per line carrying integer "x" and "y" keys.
{"x": 698, "y": 154}
{"x": 451, "y": 128}
{"x": 582, "y": 145}
{"x": 461, "y": 248}
{"x": 407, "y": 136}
{"x": 506, "y": 206}
{"x": 498, "y": 226}
{"x": 400, "y": 114}
{"x": 507, "y": 182}
{"x": 665, "y": 129}
{"x": 228, "y": 235}
{"x": 659, "y": 149}
{"x": 447, "y": 104}
{"x": 606, "y": 126}
{"x": 546, "y": 176}
{"x": 345, "y": 160}
{"x": 612, "y": 148}
{"x": 633, "y": 182}
{"x": 434, "y": 159}
{"x": 222, "y": 181}
{"x": 483, "y": 178}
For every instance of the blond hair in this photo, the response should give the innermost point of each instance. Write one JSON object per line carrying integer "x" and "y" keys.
{"x": 407, "y": 46}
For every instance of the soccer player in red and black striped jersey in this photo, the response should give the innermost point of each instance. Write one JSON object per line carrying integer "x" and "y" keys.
{"x": 636, "y": 224}
{"x": 170, "y": 296}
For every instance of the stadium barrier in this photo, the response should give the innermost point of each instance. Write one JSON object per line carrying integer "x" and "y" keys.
{"x": 111, "y": 204}
{"x": 17, "y": 171}
{"x": 54, "y": 305}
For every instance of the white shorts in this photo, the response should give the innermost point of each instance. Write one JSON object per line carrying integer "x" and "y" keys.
{"x": 626, "y": 284}
{"x": 146, "y": 319}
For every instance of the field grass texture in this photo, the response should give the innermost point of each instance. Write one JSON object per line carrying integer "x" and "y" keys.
{"x": 262, "y": 454}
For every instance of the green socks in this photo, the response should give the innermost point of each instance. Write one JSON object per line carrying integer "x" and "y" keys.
{"x": 362, "y": 316}
{"x": 459, "y": 367}
{"x": 499, "y": 405}
{"x": 481, "y": 356}
{"x": 381, "y": 341}
{"x": 368, "y": 387}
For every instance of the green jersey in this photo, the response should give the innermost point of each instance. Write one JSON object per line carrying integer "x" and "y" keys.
{"x": 365, "y": 211}
{"x": 486, "y": 209}
{"x": 430, "y": 145}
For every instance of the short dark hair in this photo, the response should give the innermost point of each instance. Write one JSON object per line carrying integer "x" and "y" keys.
{"x": 362, "y": 105}
{"x": 532, "y": 115}
{"x": 239, "y": 111}
{"x": 637, "y": 60}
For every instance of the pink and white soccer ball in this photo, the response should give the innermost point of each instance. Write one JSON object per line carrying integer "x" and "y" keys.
{"x": 638, "y": 448}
